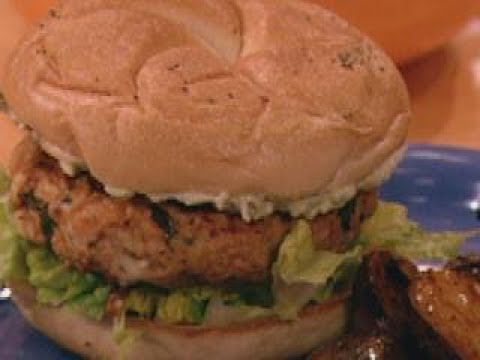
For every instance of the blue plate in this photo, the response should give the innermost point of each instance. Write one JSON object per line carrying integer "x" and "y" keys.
{"x": 440, "y": 186}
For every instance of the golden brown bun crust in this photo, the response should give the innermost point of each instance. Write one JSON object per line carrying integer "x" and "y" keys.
{"x": 262, "y": 339}
{"x": 244, "y": 97}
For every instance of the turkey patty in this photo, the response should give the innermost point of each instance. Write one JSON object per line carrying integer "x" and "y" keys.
{"x": 166, "y": 244}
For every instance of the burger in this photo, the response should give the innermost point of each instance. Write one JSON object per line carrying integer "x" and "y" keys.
{"x": 195, "y": 176}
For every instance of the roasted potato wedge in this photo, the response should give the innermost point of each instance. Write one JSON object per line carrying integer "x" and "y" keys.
{"x": 401, "y": 313}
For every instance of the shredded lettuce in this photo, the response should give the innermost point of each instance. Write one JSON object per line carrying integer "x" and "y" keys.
{"x": 341, "y": 281}
{"x": 256, "y": 295}
{"x": 91, "y": 304}
{"x": 221, "y": 312}
{"x": 124, "y": 336}
{"x": 390, "y": 228}
{"x": 301, "y": 271}
{"x": 299, "y": 262}
{"x": 4, "y": 182}
{"x": 58, "y": 284}
{"x": 12, "y": 253}
{"x": 301, "y": 274}
{"x": 185, "y": 306}
{"x": 190, "y": 305}
{"x": 290, "y": 299}
{"x": 142, "y": 301}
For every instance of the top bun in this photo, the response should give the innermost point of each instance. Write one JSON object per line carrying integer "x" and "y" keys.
{"x": 280, "y": 98}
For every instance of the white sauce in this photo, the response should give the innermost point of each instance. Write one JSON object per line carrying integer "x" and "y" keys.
{"x": 252, "y": 206}
{"x": 69, "y": 164}
{"x": 257, "y": 206}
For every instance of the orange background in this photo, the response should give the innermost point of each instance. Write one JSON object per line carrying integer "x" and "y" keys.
{"x": 445, "y": 85}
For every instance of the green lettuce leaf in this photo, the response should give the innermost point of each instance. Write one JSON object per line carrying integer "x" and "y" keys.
{"x": 301, "y": 274}
{"x": 390, "y": 228}
{"x": 301, "y": 271}
{"x": 186, "y": 306}
{"x": 299, "y": 262}
{"x": 290, "y": 299}
{"x": 221, "y": 312}
{"x": 124, "y": 337}
{"x": 47, "y": 271}
{"x": 256, "y": 295}
{"x": 4, "y": 182}
{"x": 341, "y": 281}
{"x": 92, "y": 304}
{"x": 58, "y": 284}
{"x": 12, "y": 249}
{"x": 142, "y": 301}
{"x": 215, "y": 306}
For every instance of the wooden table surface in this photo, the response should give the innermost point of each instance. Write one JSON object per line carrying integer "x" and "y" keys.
{"x": 445, "y": 85}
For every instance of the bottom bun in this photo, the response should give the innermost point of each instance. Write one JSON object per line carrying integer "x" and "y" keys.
{"x": 259, "y": 339}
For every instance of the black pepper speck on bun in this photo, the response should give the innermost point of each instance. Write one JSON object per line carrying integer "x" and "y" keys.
{"x": 196, "y": 174}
